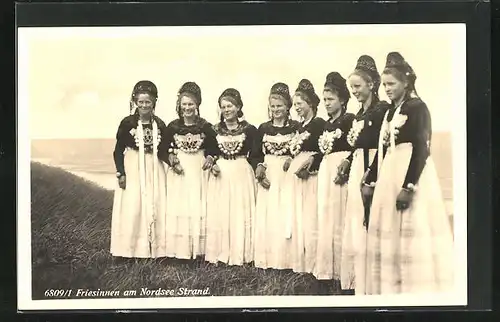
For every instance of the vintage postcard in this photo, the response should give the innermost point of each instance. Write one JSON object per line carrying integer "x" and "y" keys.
{"x": 242, "y": 166}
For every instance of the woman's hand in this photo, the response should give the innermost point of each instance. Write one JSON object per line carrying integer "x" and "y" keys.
{"x": 287, "y": 163}
{"x": 215, "y": 170}
{"x": 260, "y": 172}
{"x": 172, "y": 159}
{"x": 404, "y": 199}
{"x": 209, "y": 162}
{"x": 303, "y": 171}
{"x": 178, "y": 169}
{"x": 122, "y": 182}
{"x": 265, "y": 183}
{"x": 342, "y": 172}
{"x": 340, "y": 179}
{"x": 367, "y": 195}
{"x": 302, "y": 174}
{"x": 367, "y": 190}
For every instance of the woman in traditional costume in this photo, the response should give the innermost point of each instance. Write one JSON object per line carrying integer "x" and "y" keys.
{"x": 363, "y": 139}
{"x": 332, "y": 197}
{"x": 299, "y": 199}
{"x": 410, "y": 240}
{"x": 138, "y": 216}
{"x": 193, "y": 148}
{"x": 272, "y": 249}
{"x": 232, "y": 186}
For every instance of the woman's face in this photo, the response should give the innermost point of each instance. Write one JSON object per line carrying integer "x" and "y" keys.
{"x": 228, "y": 110}
{"x": 145, "y": 104}
{"x": 278, "y": 108}
{"x": 303, "y": 109}
{"x": 360, "y": 88}
{"x": 332, "y": 102}
{"x": 394, "y": 88}
{"x": 188, "y": 106}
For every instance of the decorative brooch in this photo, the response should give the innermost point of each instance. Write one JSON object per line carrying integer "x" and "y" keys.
{"x": 297, "y": 141}
{"x": 353, "y": 134}
{"x": 276, "y": 144}
{"x": 326, "y": 140}
{"x": 231, "y": 145}
{"x": 147, "y": 136}
{"x": 189, "y": 143}
{"x": 397, "y": 122}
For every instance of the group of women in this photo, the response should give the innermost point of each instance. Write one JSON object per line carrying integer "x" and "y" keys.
{"x": 354, "y": 198}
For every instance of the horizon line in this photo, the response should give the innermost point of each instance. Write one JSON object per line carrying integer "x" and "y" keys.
{"x": 113, "y": 138}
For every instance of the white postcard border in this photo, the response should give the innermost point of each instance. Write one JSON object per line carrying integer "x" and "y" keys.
{"x": 459, "y": 150}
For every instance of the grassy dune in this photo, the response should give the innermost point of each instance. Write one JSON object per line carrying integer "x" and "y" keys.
{"x": 71, "y": 220}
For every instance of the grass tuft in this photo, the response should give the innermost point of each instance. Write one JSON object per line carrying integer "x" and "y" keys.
{"x": 71, "y": 221}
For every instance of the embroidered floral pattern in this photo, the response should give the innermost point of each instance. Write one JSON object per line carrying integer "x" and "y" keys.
{"x": 230, "y": 145}
{"x": 276, "y": 144}
{"x": 353, "y": 134}
{"x": 393, "y": 126}
{"x": 189, "y": 143}
{"x": 297, "y": 141}
{"x": 326, "y": 140}
{"x": 147, "y": 137}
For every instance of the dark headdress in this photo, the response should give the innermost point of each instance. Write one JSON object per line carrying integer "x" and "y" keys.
{"x": 235, "y": 95}
{"x": 396, "y": 60}
{"x": 306, "y": 87}
{"x": 143, "y": 86}
{"x": 335, "y": 82}
{"x": 282, "y": 90}
{"x": 367, "y": 65}
{"x": 193, "y": 89}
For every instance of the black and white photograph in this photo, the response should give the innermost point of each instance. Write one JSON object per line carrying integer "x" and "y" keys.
{"x": 242, "y": 166}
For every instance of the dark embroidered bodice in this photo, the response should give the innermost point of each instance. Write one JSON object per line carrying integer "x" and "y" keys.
{"x": 306, "y": 139}
{"x": 192, "y": 138}
{"x": 233, "y": 143}
{"x": 334, "y": 136}
{"x": 365, "y": 128}
{"x": 274, "y": 140}
{"x": 411, "y": 125}
{"x": 127, "y": 136}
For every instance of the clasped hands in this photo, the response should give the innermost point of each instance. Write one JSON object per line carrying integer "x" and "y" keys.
{"x": 260, "y": 175}
{"x": 304, "y": 171}
{"x": 209, "y": 164}
{"x": 342, "y": 172}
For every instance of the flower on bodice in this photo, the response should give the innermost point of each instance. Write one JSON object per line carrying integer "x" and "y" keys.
{"x": 352, "y": 135}
{"x": 189, "y": 143}
{"x": 393, "y": 126}
{"x": 297, "y": 141}
{"x": 231, "y": 145}
{"x": 326, "y": 140}
{"x": 276, "y": 144}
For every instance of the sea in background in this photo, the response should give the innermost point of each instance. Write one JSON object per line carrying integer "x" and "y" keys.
{"x": 92, "y": 159}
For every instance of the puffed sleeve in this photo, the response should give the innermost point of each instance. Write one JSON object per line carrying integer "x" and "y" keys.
{"x": 252, "y": 136}
{"x": 256, "y": 152}
{"x": 420, "y": 128}
{"x": 210, "y": 143}
{"x": 118, "y": 156}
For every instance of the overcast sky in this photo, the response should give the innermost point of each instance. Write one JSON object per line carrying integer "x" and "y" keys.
{"x": 78, "y": 81}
